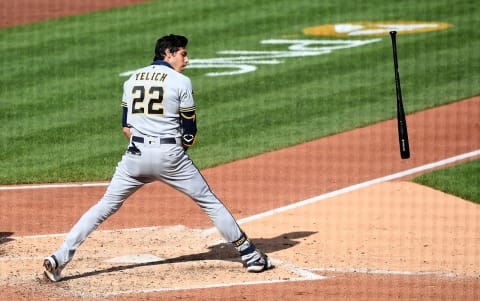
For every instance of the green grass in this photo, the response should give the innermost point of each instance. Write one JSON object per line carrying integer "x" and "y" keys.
{"x": 462, "y": 180}
{"x": 60, "y": 86}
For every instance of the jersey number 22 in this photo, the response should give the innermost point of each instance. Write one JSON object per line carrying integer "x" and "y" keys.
{"x": 153, "y": 100}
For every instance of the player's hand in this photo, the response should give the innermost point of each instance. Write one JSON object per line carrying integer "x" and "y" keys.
{"x": 126, "y": 132}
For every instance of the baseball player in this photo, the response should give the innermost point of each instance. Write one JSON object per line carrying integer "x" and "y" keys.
{"x": 160, "y": 122}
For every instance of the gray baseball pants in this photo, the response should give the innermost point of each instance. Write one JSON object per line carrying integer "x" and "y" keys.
{"x": 154, "y": 161}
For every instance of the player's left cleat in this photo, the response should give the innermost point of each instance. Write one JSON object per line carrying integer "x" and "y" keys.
{"x": 52, "y": 270}
{"x": 257, "y": 262}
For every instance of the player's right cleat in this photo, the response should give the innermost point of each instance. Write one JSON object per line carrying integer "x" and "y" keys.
{"x": 258, "y": 262}
{"x": 52, "y": 270}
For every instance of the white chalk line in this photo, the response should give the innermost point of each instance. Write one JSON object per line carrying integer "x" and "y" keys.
{"x": 56, "y": 185}
{"x": 392, "y": 273}
{"x": 207, "y": 286}
{"x": 379, "y": 180}
{"x": 358, "y": 186}
{"x": 305, "y": 274}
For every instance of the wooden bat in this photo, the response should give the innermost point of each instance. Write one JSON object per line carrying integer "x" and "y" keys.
{"x": 402, "y": 123}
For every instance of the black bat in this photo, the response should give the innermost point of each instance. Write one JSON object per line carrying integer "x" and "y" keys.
{"x": 402, "y": 123}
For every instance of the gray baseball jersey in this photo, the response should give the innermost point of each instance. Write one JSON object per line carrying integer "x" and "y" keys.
{"x": 154, "y": 96}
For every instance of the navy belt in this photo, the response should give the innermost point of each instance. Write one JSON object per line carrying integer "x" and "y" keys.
{"x": 162, "y": 140}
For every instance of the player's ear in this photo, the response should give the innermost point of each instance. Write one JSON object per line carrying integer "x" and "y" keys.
{"x": 168, "y": 53}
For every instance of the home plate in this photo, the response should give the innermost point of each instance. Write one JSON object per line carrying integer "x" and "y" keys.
{"x": 136, "y": 258}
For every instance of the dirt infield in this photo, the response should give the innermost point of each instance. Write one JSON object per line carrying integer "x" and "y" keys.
{"x": 352, "y": 221}
{"x": 20, "y": 12}
{"x": 336, "y": 215}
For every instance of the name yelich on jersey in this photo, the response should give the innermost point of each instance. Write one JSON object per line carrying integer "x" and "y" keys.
{"x": 156, "y": 76}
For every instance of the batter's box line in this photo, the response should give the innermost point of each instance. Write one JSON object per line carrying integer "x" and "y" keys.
{"x": 303, "y": 275}
{"x": 392, "y": 273}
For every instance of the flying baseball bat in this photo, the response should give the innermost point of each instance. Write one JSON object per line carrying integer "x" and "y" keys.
{"x": 402, "y": 123}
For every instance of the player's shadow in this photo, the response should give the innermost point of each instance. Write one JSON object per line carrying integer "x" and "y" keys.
{"x": 223, "y": 251}
{"x": 5, "y": 237}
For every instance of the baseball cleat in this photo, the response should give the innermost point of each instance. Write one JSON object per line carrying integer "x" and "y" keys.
{"x": 52, "y": 270}
{"x": 258, "y": 263}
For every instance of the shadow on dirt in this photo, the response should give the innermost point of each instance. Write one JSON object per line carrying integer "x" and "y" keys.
{"x": 5, "y": 237}
{"x": 223, "y": 251}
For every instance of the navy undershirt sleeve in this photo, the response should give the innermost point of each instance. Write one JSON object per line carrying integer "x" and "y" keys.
{"x": 124, "y": 117}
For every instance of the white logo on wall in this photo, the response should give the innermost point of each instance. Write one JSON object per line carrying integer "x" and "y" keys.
{"x": 244, "y": 61}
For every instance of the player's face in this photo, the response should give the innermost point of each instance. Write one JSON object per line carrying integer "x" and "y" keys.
{"x": 177, "y": 60}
